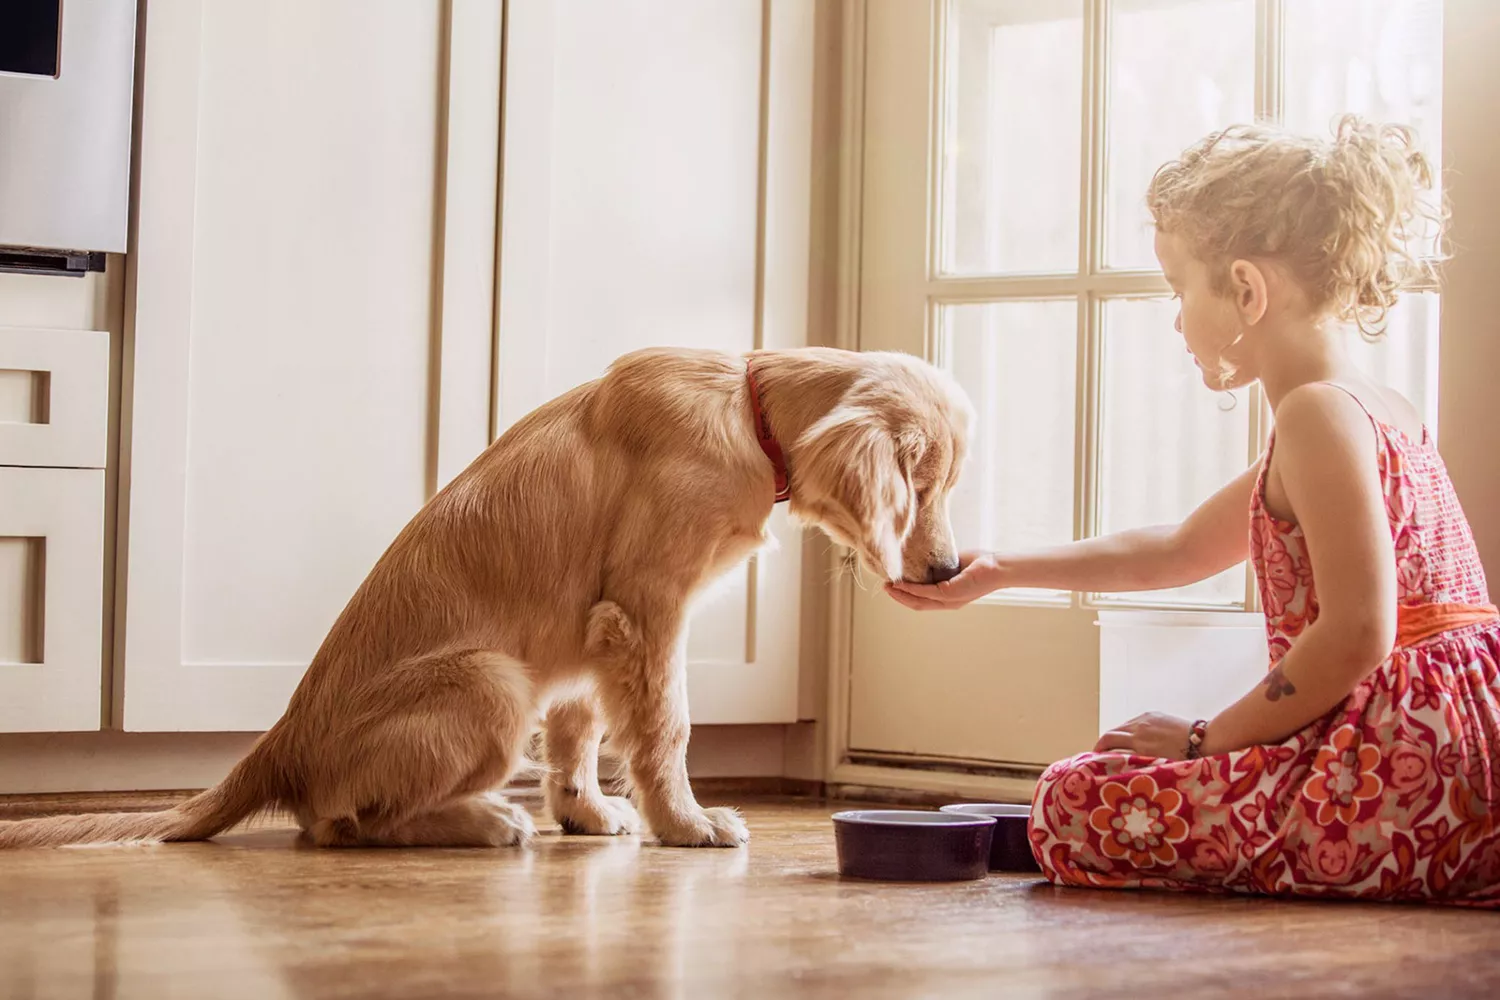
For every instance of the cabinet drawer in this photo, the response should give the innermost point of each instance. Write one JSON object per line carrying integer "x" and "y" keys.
{"x": 51, "y": 599}
{"x": 54, "y": 397}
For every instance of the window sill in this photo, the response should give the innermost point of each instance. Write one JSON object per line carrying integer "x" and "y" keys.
{"x": 1155, "y": 618}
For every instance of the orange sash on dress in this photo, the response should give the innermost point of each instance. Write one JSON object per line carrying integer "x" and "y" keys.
{"x": 1419, "y": 622}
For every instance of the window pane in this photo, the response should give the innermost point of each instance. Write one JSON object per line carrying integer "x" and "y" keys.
{"x": 1406, "y": 357}
{"x": 1179, "y": 69}
{"x": 1167, "y": 442}
{"x": 1014, "y": 114}
{"x": 1018, "y": 363}
{"x": 1382, "y": 59}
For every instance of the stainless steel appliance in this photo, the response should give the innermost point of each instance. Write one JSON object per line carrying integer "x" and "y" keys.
{"x": 67, "y": 71}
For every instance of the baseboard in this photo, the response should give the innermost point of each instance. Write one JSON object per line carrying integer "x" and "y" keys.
{"x": 46, "y": 763}
{"x": 111, "y": 771}
{"x": 71, "y": 803}
{"x": 722, "y": 788}
{"x": 915, "y": 797}
{"x": 116, "y": 762}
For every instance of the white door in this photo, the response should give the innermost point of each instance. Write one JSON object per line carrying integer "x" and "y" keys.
{"x": 309, "y": 335}
{"x": 656, "y": 193}
{"x": 1006, "y": 151}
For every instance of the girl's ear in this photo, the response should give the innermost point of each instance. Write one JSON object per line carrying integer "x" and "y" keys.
{"x": 1247, "y": 283}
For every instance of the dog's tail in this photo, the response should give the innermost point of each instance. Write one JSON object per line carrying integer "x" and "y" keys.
{"x": 253, "y": 785}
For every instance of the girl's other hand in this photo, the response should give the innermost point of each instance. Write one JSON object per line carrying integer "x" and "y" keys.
{"x": 978, "y": 575}
{"x": 1155, "y": 734}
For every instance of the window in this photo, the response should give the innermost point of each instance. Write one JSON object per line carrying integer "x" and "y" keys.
{"x": 1045, "y": 294}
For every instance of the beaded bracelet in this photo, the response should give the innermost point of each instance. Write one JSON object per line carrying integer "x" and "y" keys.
{"x": 1195, "y": 739}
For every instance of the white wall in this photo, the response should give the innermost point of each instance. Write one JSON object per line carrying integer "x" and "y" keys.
{"x": 1470, "y": 351}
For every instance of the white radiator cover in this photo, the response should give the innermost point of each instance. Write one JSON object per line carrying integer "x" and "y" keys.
{"x": 1187, "y": 663}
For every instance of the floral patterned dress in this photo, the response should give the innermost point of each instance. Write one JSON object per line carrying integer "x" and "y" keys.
{"x": 1393, "y": 795}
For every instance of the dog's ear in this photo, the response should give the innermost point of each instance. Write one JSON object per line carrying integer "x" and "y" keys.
{"x": 850, "y": 458}
{"x": 911, "y": 448}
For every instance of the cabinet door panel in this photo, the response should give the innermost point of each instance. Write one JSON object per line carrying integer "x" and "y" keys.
{"x": 51, "y": 599}
{"x": 54, "y": 397}
{"x": 294, "y": 337}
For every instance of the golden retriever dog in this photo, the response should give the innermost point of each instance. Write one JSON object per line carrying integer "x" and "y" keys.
{"x": 549, "y": 585}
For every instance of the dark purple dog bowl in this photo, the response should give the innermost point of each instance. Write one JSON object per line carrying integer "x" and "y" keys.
{"x": 1011, "y": 850}
{"x": 896, "y": 845}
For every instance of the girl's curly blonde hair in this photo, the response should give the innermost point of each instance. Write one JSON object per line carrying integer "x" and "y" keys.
{"x": 1342, "y": 216}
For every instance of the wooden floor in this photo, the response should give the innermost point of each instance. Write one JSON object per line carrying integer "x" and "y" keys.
{"x": 251, "y": 915}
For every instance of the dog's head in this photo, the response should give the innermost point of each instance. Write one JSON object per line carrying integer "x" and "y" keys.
{"x": 875, "y": 473}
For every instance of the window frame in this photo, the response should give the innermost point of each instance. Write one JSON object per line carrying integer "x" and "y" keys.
{"x": 1093, "y": 283}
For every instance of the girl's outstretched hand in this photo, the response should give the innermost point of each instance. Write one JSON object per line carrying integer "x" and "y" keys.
{"x": 978, "y": 575}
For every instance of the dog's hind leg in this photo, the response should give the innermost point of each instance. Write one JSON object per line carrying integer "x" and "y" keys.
{"x": 571, "y": 786}
{"x": 483, "y": 820}
{"x": 426, "y": 740}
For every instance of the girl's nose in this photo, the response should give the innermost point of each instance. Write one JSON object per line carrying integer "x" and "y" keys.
{"x": 1177, "y": 322}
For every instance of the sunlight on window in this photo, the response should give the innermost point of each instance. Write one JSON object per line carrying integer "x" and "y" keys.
{"x": 1017, "y": 361}
{"x": 1178, "y": 70}
{"x": 1406, "y": 357}
{"x": 1382, "y": 59}
{"x": 1010, "y": 194}
{"x": 1167, "y": 442}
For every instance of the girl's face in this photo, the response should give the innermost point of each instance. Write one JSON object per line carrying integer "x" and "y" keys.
{"x": 1207, "y": 319}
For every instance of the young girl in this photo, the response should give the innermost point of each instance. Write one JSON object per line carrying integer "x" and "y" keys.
{"x": 1367, "y": 763}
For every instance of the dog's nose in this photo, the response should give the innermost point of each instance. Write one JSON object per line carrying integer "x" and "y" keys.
{"x": 938, "y": 572}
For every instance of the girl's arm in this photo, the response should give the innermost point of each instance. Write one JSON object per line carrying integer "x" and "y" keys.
{"x": 1212, "y": 539}
{"x": 1325, "y": 451}
{"x": 1325, "y": 458}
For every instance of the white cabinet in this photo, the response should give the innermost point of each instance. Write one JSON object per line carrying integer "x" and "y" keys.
{"x": 51, "y": 599}
{"x": 53, "y": 427}
{"x": 312, "y": 346}
{"x": 300, "y": 370}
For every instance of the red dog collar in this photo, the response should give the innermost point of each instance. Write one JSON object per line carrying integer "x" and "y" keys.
{"x": 766, "y": 439}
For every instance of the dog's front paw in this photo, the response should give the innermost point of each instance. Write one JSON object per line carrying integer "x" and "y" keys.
{"x": 729, "y": 829}
{"x": 597, "y": 816}
{"x": 718, "y": 827}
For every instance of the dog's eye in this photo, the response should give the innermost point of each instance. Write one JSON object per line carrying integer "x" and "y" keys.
{"x": 922, "y": 495}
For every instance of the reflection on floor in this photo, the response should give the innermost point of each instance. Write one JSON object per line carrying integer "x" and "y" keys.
{"x": 251, "y": 915}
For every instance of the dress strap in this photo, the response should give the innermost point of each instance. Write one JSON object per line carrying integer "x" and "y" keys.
{"x": 1341, "y": 387}
{"x": 1383, "y": 428}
